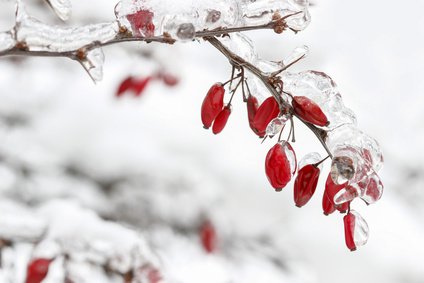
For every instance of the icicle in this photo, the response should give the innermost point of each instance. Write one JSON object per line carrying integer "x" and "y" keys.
{"x": 62, "y": 8}
{"x": 93, "y": 63}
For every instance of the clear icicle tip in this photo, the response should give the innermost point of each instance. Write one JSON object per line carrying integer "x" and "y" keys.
{"x": 310, "y": 158}
{"x": 275, "y": 126}
{"x": 62, "y": 8}
{"x": 93, "y": 64}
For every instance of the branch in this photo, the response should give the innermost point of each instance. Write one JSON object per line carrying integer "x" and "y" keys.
{"x": 239, "y": 62}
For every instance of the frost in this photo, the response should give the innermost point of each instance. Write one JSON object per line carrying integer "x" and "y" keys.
{"x": 6, "y": 41}
{"x": 62, "y": 8}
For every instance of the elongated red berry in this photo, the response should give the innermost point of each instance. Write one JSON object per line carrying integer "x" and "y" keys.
{"x": 126, "y": 85}
{"x": 327, "y": 205}
{"x": 140, "y": 85}
{"x": 37, "y": 270}
{"x": 212, "y": 104}
{"x": 221, "y": 120}
{"x": 332, "y": 189}
{"x": 252, "y": 108}
{"x": 277, "y": 167}
{"x": 268, "y": 110}
{"x": 349, "y": 227}
{"x": 309, "y": 111}
{"x": 142, "y": 23}
{"x": 356, "y": 230}
{"x": 208, "y": 237}
{"x": 305, "y": 184}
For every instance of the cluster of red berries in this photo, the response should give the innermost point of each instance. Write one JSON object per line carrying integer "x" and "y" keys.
{"x": 281, "y": 163}
{"x": 138, "y": 85}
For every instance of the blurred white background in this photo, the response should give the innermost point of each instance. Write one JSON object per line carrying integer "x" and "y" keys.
{"x": 372, "y": 49}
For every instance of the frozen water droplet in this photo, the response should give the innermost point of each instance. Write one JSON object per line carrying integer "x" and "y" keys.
{"x": 186, "y": 31}
{"x": 342, "y": 169}
{"x": 297, "y": 54}
{"x": 291, "y": 156}
{"x": 345, "y": 195}
{"x": 6, "y": 41}
{"x": 62, "y": 8}
{"x": 262, "y": 11}
{"x": 320, "y": 88}
{"x": 374, "y": 189}
{"x": 141, "y": 23}
{"x": 310, "y": 158}
{"x": 275, "y": 126}
{"x": 93, "y": 64}
{"x": 42, "y": 37}
{"x": 213, "y": 16}
{"x": 361, "y": 230}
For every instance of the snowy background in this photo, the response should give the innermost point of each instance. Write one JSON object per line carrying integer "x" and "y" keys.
{"x": 69, "y": 150}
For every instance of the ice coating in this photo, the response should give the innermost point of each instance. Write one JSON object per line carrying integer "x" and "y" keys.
{"x": 258, "y": 12}
{"x": 320, "y": 88}
{"x": 310, "y": 158}
{"x": 349, "y": 136}
{"x": 297, "y": 54}
{"x": 93, "y": 64}
{"x": 361, "y": 230}
{"x": 6, "y": 41}
{"x": 172, "y": 16}
{"x": 62, "y": 8}
{"x": 38, "y": 36}
{"x": 275, "y": 126}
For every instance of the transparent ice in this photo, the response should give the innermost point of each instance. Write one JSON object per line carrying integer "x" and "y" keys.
{"x": 62, "y": 8}
{"x": 361, "y": 230}
{"x": 171, "y": 16}
{"x": 93, "y": 64}
{"x": 6, "y": 41}
{"x": 39, "y": 36}
{"x": 310, "y": 158}
{"x": 275, "y": 126}
{"x": 320, "y": 88}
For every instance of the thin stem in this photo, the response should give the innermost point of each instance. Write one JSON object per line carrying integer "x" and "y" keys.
{"x": 240, "y": 62}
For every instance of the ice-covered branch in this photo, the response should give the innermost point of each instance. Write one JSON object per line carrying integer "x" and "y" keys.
{"x": 152, "y": 21}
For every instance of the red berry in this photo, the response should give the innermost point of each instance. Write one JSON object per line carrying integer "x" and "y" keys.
{"x": 140, "y": 85}
{"x": 327, "y": 205}
{"x": 221, "y": 120}
{"x": 252, "y": 108}
{"x": 142, "y": 23}
{"x": 268, "y": 110}
{"x": 309, "y": 111}
{"x": 305, "y": 184}
{"x": 343, "y": 208}
{"x": 208, "y": 237}
{"x": 37, "y": 270}
{"x": 170, "y": 80}
{"x": 278, "y": 167}
{"x": 125, "y": 86}
{"x": 212, "y": 104}
{"x": 349, "y": 227}
{"x": 332, "y": 189}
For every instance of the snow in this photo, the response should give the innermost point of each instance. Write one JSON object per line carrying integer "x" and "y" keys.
{"x": 170, "y": 173}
